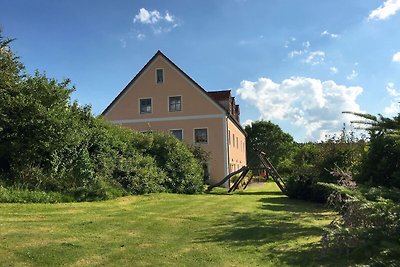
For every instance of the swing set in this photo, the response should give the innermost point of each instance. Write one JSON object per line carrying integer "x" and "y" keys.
{"x": 267, "y": 170}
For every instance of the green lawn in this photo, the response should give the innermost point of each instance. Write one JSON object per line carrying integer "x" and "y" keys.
{"x": 258, "y": 227}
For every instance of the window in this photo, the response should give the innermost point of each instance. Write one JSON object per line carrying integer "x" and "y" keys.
{"x": 145, "y": 105}
{"x": 178, "y": 133}
{"x": 237, "y": 142}
{"x": 159, "y": 75}
{"x": 175, "y": 103}
{"x": 201, "y": 136}
{"x": 233, "y": 140}
{"x": 229, "y": 137}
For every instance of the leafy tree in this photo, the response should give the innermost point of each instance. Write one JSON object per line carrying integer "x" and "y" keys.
{"x": 381, "y": 165}
{"x": 269, "y": 138}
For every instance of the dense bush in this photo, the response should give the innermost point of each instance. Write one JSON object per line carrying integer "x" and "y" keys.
{"x": 18, "y": 195}
{"x": 51, "y": 145}
{"x": 381, "y": 166}
{"x": 312, "y": 163}
{"x": 368, "y": 229}
{"x": 184, "y": 173}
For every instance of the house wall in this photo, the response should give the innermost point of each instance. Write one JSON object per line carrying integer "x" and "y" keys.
{"x": 194, "y": 102}
{"x": 236, "y": 147}
{"x": 198, "y": 111}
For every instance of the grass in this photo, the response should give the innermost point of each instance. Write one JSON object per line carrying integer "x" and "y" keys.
{"x": 258, "y": 227}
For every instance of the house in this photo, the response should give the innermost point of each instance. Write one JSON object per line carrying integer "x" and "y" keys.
{"x": 161, "y": 97}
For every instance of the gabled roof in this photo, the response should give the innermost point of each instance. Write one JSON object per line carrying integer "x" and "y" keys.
{"x": 159, "y": 53}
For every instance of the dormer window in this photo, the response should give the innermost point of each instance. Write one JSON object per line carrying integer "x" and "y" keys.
{"x": 159, "y": 75}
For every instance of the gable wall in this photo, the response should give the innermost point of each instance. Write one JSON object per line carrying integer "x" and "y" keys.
{"x": 193, "y": 101}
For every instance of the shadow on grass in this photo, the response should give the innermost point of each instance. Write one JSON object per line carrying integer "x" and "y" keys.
{"x": 282, "y": 231}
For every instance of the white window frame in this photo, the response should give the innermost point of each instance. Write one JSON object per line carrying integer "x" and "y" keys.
{"x": 163, "y": 76}
{"x": 194, "y": 135}
{"x": 181, "y": 103}
{"x": 143, "y": 98}
{"x": 178, "y": 129}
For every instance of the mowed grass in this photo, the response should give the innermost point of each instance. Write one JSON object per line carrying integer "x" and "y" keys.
{"x": 257, "y": 227}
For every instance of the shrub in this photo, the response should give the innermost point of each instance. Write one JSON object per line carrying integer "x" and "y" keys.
{"x": 202, "y": 157}
{"x": 368, "y": 229}
{"x": 19, "y": 195}
{"x": 184, "y": 173}
{"x": 313, "y": 162}
{"x": 139, "y": 175}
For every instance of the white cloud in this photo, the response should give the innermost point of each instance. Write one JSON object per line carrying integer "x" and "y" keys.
{"x": 295, "y": 53}
{"x": 306, "y": 44}
{"x": 157, "y": 22}
{"x": 394, "y": 107}
{"x": 153, "y": 17}
{"x": 169, "y": 17}
{"x": 333, "y": 70}
{"x": 396, "y": 57}
{"x": 386, "y": 10}
{"x": 390, "y": 88}
{"x": 123, "y": 42}
{"x": 307, "y": 103}
{"x": 247, "y": 122}
{"x": 309, "y": 57}
{"x": 147, "y": 17}
{"x": 315, "y": 58}
{"x": 253, "y": 41}
{"x": 352, "y": 75}
{"x": 288, "y": 42}
{"x": 140, "y": 36}
{"x": 332, "y": 35}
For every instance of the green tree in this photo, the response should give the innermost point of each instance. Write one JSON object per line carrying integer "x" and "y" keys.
{"x": 269, "y": 138}
{"x": 381, "y": 165}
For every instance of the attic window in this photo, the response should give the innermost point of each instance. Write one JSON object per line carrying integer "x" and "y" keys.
{"x": 159, "y": 75}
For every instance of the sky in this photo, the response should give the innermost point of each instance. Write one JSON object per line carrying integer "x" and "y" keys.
{"x": 297, "y": 63}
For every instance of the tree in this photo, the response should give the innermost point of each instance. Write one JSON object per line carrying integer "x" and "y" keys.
{"x": 381, "y": 165}
{"x": 269, "y": 138}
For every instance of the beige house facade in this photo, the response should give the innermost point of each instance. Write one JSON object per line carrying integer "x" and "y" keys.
{"x": 161, "y": 97}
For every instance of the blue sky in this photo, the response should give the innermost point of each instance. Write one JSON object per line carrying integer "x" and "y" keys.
{"x": 296, "y": 63}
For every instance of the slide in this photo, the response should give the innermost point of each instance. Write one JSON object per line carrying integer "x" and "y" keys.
{"x": 227, "y": 177}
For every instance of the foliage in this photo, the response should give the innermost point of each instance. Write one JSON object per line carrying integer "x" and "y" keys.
{"x": 184, "y": 174}
{"x": 267, "y": 137}
{"x": 18, "y": 195}
{"x": 369, "y": 225}
{"x": 312, "y": 163}
{"x": 381, "y": 165}
{"x": 49, "y": 144}
{"x": 203, "y": 157}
